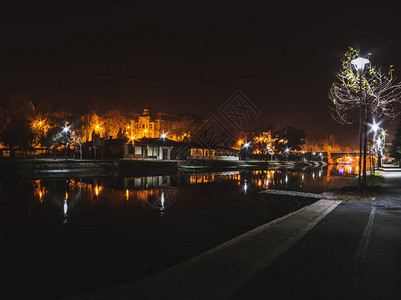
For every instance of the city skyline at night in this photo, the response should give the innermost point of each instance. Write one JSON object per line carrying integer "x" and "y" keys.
{"x": 180, "y": 60}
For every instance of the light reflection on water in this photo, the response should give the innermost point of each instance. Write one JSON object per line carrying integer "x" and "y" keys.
{"x": 161, "y": 191}
{"x": 115, "y": 229}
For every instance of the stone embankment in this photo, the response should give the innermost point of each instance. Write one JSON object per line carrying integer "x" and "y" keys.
{"x": 50, "y": 167}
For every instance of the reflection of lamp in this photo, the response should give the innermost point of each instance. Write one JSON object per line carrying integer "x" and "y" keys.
{"x": 65, "y": 208}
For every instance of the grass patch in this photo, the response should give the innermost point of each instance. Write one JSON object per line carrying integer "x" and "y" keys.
{"x": 369, "y": 192}
{"x": 374, "y": 180}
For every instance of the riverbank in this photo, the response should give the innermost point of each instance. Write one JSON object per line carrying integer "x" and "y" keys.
{"x": 136, "y": 166}
{"x": 51, "y": 167}
{"x": 132, "y": 167}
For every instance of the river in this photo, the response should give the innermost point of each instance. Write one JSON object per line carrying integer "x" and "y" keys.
{"x": 64, "y": 236}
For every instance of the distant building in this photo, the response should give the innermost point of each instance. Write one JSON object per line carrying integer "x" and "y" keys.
{"x": 175, "y": 127}
{"x": 150, "y": 148}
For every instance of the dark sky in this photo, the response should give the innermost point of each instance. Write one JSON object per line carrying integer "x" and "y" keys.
{"x": 192, "y": 56}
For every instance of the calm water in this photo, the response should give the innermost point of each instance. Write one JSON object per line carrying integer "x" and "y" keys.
{"x": 65, "y": 236}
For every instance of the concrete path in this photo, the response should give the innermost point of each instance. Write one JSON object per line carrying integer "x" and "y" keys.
{"x": 220, "y": 273}
{"x": 353, "y": 253}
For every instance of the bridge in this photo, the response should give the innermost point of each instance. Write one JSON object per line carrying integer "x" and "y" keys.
{"x": 338, "y": 156}
{"x": 345, "y": 157}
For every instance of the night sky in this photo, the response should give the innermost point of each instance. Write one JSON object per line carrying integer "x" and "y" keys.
{"x": 192, "y": 56}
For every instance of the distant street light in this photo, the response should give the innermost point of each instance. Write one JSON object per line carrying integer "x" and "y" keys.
{"x": 65, "y": 130}
{"x": 287, "y": 150}
{"x": 246, "y": 145}
{"x": 375, "y": 127}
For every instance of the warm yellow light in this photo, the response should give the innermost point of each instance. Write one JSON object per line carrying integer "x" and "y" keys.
{"x": 132, "y": 137}
{"x": 126, "y": 194}
{"x": 97, "y": 191}
{"x": 66, "y": 196}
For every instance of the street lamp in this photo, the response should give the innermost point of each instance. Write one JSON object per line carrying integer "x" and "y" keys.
{"x": 359, "y": 65}
{"x": 287, "y": 150}
{"x": 65, "y": 130}
{"x": 375, "y": 127}
{"x": 381, "y": 142}
{"x": 246, "y": 145}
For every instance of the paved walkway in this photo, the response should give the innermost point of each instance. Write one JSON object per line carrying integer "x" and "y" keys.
{"x": 353, "y": 253}
{"x": 221, "y": 272}
{"x": 327, "y": 250}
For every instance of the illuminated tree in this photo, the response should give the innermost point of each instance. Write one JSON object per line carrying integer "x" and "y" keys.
{"x": 356, "y": 97}
{"x": 264, "y": 143}
{"x": 380, "y": 92}
{"x": 113, "y": 121}
{"x": 40, "y": 126}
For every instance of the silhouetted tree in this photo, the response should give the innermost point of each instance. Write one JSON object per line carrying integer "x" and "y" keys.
{"x": 17, "y": 133}
{"x": 396, "y": 144}
{"x": 294, "y": 137}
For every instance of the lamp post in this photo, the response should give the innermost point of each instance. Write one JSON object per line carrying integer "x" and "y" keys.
{"x": 65, "y": 130}
{"x": 375, "y": 127}
{"x": 381, "y": 142}
{"x": 287, "y": 150}
{"x": 164, "y": 135}
{"x": 359, "y": 65}
{"x": 246, "y": 145}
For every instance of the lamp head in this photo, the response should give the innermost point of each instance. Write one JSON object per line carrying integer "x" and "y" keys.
{"x": 359, "y": 63}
